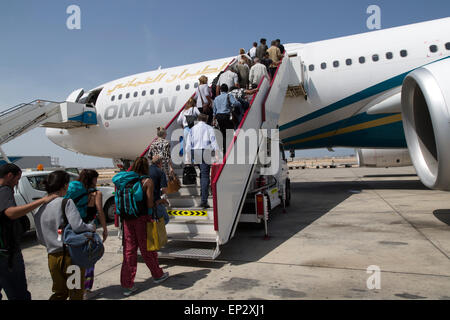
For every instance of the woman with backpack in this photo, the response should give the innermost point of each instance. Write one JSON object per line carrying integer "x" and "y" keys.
{"x": 187, "y": 118}
{"x": 89, "y": 201}
{"x": 204, "y": 99}
{"x": 135, "y": 225}
{"x": 49, "y": 228}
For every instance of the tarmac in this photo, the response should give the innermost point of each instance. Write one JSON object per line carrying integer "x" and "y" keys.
{"x": 341, "y": 222}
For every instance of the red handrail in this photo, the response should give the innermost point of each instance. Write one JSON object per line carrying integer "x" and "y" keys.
{"x": 222, "y": 165}
{"x": 167, "y": 126}
{"x": 178, "y": 113}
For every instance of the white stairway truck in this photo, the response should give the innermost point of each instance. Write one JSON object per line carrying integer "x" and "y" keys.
{"x": 240, "y": 190}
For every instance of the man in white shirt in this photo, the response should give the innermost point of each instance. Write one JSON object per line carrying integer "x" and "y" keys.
{"x": 257, "y": 72}
{"x": 230, "y": 78}
{"x": 201, "y": 142}
{"x": 252, "y": 51}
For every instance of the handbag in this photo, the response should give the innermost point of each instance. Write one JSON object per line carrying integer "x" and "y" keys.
{"x": 190, "y": 119}
{"x": 85, "y": 248}
{"x": 156, "y": 233}
{"x": 174, "y": 184}
{"x": 189, "y": 175}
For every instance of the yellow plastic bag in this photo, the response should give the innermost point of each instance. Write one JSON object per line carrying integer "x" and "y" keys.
{"x": 156, "y": 234}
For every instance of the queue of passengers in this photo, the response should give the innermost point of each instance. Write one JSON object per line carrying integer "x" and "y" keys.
{"x": 63, "y": 206}
{"x": 223, "y": 108}
{"x": 224, "y": 105}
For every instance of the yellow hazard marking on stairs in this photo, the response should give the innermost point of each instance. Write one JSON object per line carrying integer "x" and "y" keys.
{"x": 190, "y": 213}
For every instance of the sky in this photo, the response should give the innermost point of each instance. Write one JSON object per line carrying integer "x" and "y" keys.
{"x": 40, "y": 58}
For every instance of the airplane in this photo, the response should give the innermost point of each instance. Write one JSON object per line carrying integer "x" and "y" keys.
{"x": 382, "y": 89}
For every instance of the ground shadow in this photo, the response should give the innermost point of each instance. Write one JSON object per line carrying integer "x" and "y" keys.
{"x": 389, "y": 175}
{"x": 310, "y": 201}
{"x": 180, "y": 281}
{"x": 443, "y": 215}
{"x": 115, "y": 292}
{"x": 185, "y": 280}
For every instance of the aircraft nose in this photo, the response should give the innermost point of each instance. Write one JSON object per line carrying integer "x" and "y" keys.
{"x": 59, "y": 137}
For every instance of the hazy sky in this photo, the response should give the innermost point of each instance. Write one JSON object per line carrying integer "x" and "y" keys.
{"x": 40, "y": 58}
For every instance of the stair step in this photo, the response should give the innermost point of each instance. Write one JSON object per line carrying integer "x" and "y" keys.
{"x": 190, "y": 190}
{"x": 206, "y": 237}
{"x": 178, "y": 249}
{"x": 188, "y": 201}
{"x": 191, "y": 220}
{"x": 191, "y": 226}
{"x": 190, "y": 212}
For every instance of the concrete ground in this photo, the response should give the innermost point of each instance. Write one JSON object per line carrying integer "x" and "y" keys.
{"x": 340, "y": 222}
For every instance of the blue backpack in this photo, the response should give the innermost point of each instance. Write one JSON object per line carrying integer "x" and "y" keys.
{"x": 129, "y": 195}
{"x": 85, "y": 248}
{"x": 78, "y": 193}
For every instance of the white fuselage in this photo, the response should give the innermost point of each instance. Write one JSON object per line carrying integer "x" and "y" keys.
{"x": 336, "y": 92}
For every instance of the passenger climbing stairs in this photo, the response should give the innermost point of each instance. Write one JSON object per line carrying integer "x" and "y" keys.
{"x": 197, "y": 233}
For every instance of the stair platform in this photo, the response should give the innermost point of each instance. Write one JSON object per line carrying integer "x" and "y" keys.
{"x": 190, "y": 250}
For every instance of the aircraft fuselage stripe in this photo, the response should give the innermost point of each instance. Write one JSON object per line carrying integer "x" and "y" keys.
{"x": 353, "y": 128}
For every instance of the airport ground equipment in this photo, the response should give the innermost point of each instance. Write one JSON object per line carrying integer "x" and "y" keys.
{"x": 22, "y": 118}
{"x": 239, "y": 192}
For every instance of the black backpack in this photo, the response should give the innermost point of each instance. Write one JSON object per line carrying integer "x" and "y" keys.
{"x": 214, "y": 85}
{"x": 190, "y": 119}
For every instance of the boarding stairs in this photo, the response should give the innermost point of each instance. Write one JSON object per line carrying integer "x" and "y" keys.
{"x": 22, "y": 118}
{"x": 194, "y": 232}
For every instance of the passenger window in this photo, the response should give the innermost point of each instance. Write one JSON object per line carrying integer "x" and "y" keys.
{"x": 375, "y": 58}
{"x": 152, "y": 91}
{"x": 323, "y": 65}
{"x": 336, "y": 64}
{"x": 311, "y": 67}
{"x": 135, "y": 94}
{"x": 362, "y": 60}
{"x": 160, "y": 90}
{"x": 389, "y": 55}
{"x": 447, "y": 46}
{"x": 113, "y": 98}
{"x": 403, "y": 53}
{"x": 178, "y": 88}
{"x": 127, "y": 96}
{"x": 37, "y": 182}
{"x": 434, "y": 48}
{"x": 120, "y": 97}
{"x": 186, "y": 86}
{"x": 196, "y": 85}
{"x": 144, "y": 93}
{"x": 349, "y": 62}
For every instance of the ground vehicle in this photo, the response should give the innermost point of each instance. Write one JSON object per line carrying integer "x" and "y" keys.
{"x": 31, "y": 188}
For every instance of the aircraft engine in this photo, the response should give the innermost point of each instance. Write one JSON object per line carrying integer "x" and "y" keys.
{"x": 426, "y": 122}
